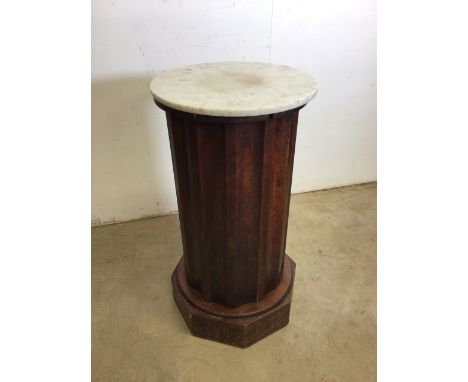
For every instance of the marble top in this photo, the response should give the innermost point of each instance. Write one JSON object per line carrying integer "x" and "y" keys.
{"x": 233, "y": 89}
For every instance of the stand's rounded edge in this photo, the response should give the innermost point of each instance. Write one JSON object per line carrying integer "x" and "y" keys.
{"x": 247, "y": 310}
{"x": 240, "y": 332}
{"x": 216, "y": 119}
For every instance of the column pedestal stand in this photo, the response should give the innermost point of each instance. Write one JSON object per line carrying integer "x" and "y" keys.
{"x": 233, "y": 177}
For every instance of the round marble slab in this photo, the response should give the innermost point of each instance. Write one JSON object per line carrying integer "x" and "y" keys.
{"x": 233, "y": 89}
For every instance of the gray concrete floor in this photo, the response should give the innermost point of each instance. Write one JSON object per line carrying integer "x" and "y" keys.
{"x": 139, "y": 335}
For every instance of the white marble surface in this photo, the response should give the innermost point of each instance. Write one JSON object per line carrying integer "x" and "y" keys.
{"x": 233, "y": 89}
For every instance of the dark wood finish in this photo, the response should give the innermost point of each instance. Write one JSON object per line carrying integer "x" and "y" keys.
{"x": 233, "y": 181}
{"x": 246, "y": 310}
{"x": 241, "y": 332}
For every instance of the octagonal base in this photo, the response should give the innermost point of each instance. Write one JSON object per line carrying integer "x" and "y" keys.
{"x": 241, "y": 332}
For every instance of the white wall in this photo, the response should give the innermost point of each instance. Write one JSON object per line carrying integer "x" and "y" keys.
{"x": 333, "y": 40}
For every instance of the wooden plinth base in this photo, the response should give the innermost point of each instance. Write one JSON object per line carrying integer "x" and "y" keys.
{"x": 243, "y": 330}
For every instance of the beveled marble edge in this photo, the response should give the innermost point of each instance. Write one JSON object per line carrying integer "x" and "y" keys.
{"x": 236, "y": 113}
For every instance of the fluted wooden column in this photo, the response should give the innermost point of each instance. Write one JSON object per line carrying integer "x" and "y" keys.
{"x": 233, "y": 177}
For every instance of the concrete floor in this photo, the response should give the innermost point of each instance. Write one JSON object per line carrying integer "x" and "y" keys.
{"x": 139, "y": 335}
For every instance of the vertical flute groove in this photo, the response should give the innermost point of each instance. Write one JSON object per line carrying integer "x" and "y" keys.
{"x": 231, "y": 214}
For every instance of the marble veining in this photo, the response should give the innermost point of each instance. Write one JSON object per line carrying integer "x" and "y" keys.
{"x": 233, "y": 89}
